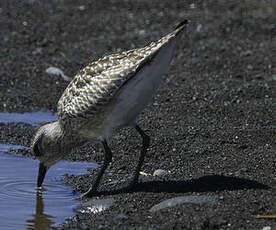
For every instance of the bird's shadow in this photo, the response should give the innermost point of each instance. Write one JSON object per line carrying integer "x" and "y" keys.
{"x": 210, "y": 183}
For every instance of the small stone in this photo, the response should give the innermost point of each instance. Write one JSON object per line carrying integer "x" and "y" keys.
{"x": 266, "y": 228}
{"x": 199, "y": 28}
{"x": 247, "y": 53}
{"x": 57, "y": 72}
{"x": 95, "y": 206}
{"x": 160, "y": 172}
{"x": 192, "y": 6}
{"x": 142, "y": 32}
{"x": 81, "y": 8}
{"x": 249, "y": 67}
{"x": 169, "y": 203}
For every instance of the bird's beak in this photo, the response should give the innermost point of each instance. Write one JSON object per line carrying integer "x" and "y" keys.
{"x": 41, "y": 174}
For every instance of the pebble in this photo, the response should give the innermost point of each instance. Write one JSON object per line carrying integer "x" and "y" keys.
{"x": 249, "y": 67}
{"x": 199, "y": 28}
{"x": 182, "y": 200}
{"x": 142, "y": 32}
{"x": 81, "y": 8}
{"x": 57, "y": 72}
{"x": 267, "y": 228}
{"x": 95, "y": 206}
{"x": 160, "y": 172}
{"x": 192, "y": 6}
{"x": 247, "y": 53}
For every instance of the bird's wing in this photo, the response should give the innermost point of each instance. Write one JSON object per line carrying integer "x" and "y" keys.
{"x": 95, "y": 85}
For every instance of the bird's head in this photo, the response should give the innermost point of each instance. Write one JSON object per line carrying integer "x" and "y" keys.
{"x": 47, "y": 148}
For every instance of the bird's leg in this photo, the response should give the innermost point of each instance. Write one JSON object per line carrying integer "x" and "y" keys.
{"x": 146, "y": 142}
{"x": 107, "y": 159}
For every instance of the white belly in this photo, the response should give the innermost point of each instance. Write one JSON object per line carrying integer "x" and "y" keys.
{"x": 138, "y": 92}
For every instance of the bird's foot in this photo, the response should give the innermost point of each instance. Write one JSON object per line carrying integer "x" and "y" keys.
{"x": 88, "y": 194}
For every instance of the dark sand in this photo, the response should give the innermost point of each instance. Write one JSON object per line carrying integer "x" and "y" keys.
{"x": 212, "y": 124}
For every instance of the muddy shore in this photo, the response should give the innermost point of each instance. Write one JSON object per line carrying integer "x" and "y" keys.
{"x": 212, "y": 124}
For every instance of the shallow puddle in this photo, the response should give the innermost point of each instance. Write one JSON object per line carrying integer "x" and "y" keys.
{"x": 21, "y": 207}
{"x": 33, "y": 118}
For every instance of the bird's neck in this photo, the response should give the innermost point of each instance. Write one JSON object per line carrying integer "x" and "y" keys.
{"x": 69, "y": 140}
{"x": 66, "y": 141}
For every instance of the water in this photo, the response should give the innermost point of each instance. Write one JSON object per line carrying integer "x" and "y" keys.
{"x": 22, "y": 207}
{"x": 33, "y": 118}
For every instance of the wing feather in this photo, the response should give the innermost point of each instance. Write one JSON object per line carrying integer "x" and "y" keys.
{"x": 95, "y": 85}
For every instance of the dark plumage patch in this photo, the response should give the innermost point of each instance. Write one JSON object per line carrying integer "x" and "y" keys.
{"x": 184, "y": 22}
{"x": 37, "y": 147}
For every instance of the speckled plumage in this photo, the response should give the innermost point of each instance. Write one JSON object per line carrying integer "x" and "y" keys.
{"x": 93, "y": 88}
{"x": 103, "y": 97}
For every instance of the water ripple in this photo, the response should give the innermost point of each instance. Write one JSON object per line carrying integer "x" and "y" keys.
{"x": 22, "y": 205}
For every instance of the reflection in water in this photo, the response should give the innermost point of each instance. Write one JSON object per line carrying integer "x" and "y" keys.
{"x": 21, "y": 205}
{"x": 40, "y": 220}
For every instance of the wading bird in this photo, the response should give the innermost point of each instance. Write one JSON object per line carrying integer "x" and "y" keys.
{"x": 103, "y": 97}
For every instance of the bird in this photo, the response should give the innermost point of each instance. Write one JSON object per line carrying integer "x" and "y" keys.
{"x": 103, "y": 97}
